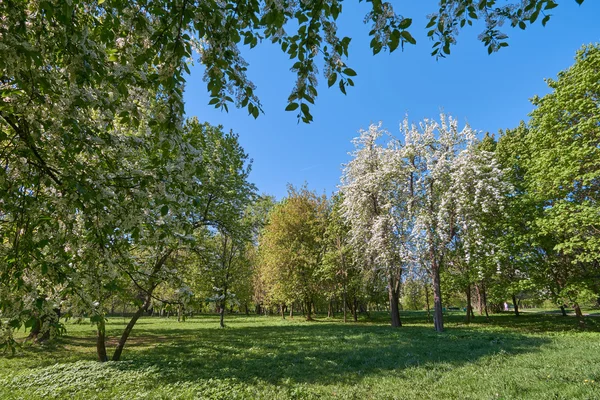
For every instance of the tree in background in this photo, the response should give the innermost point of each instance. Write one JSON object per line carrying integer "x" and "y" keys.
{"x": 291, "y": 249}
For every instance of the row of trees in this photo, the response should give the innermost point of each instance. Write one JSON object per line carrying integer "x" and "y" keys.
{"x": 506, "y": 219}
{"x": 106, "y": 191}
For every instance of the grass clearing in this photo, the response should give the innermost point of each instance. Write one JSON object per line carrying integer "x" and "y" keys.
{"x": 530, "y": 357}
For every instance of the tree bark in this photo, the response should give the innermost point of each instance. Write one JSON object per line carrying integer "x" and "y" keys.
{"x": 125, "y": 335}
{"x": 427, "y": 301}
{"x": 140, "y": 311}
{"x": 438, "y": 317}
{"x": 345, "y": 305}
{"x": 579, "y": 314}
{"x": 514, "y": 299}
{"x": 308, "y": 307}
{"x": 485, "y": 305}
{"x": 355, "y": 308}
{"x": 101, "y": 340}
{"x": 394, "y": 310}
{"x": 282, "y": 309}
{"x": 469, "y": 307}
{"x": 479, "y": 298}
{"x": 222, "y": 315}
{"x": 292, "y": 310}
{"x": 563, "y": 311}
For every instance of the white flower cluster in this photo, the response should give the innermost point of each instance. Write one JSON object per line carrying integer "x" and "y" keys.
{"x": 407, "y": 197}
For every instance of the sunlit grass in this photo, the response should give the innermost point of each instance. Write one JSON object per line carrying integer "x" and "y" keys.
{"x": 533, "y": 356}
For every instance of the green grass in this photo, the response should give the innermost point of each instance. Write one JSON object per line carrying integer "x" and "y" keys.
{"x": 530, "y": 357}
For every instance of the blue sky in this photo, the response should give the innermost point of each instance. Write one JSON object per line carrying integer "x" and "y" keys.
{"x": 490, "y": 92}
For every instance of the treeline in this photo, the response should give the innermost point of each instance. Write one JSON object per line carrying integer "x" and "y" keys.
{"x": 155, "y": 212}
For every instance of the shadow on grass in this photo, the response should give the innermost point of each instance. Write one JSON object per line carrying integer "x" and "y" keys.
{"x": 323, "y": 353}
{"x": 261, "y": 349}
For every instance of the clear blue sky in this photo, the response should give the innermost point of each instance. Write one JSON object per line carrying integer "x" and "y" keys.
{"x": 490, "y": 92}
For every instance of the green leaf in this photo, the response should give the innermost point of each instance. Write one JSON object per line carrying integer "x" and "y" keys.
{"x": 349, "y": 72}
{"x": 331, "y": 80}
{"x": 164, "y": 210}
{"x": 408, "y": 37}
{"x": 405, "y": 23}
{"x": 291, "y": 107}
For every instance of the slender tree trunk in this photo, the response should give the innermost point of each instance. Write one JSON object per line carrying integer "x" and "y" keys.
{"x": 438, "y": 317}
{"x": 485, "y": 305}
{"x": 292, "y": 310}
{"x": 101, "y": 340}
{"x": 394, "y": 310}
{"x": 246, "y": 309}
{"x": 355, "y": 307}
{"x": 308, "y": 307}
{"x": 579, "y": 314}
{"x": 222, "y": 315}
{"x": 479, "y": 298}
{"x": 427, "y": 301}
{"x": 345, "y": 305}
{"x": 516, "y": 305}
{"x": 282, "y": 309}
{"x": 563, "y": 311}
{"x": 330, "y": 309}
{"x": 125, "y": 335}
{"x": 469, "y": 307}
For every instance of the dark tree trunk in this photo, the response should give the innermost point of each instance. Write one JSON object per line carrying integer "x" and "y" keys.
{"x": 345, "y": 305}
{"x": 394, "y": 310}
{"x": 292, "y": 311}
{"x": 222, "y": 315}
{"x": 438, "y": 317}
{"x": 246, "y": 308}
{"x": 125, "y": 335}
{"x": 307, "y": 307}
{"x": 282, "y": 309}
{"x": 427, "y": 301}
{"x": 563, "y": 311}
{"x": 330, "y": 312}
{"x": 35, "y": 330}
{"x": 469, "y": 307}
{"x": 479, "y": 298}
{"x": 485, "y": 305}
{"x": 516, "y": 305}
{"x": 579, "y": 314}
{"x": 101, "y": 340}
{"x": 355, "y": 309}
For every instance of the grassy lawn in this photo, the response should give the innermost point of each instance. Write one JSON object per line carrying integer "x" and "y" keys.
{"x": 530, "y": 357}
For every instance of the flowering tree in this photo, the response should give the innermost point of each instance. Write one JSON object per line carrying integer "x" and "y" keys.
{"x": 427, "y": 193}
{"x": 377, "y": 206}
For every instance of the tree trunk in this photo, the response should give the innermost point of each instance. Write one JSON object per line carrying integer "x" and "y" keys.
{"x": 394, "y": 310}
{"x": 563, "y": 311}
{"x": 292, "y": 311}
{"x": 222, "y": 315}
{"x": 355, "y": 308}
{"x": 125, "y": 335}
{"x": 479, "y": 298}
{"x": 514, "y": 299}
{"x": 282, "y": 309}
{"x": 427, "y": 301}
{"x": 101, "y": 340}
{"x": 308, "y": 306}
{"x": 469, "y": 307}
{"x": 345, "y": 305}
{"x": 485, "y": 305}
{"x": 246, "y": 308}
{"x": 330, "y": 312}
{"x": 438, "y": 317}
{"x": 579, "y": 314}
{"x": 35, "y": 330}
